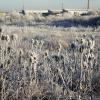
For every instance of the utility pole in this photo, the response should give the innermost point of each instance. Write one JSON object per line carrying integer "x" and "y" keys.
{"x": 88, "y": 4}
{"x": 62, "y": 5}
{"x": 23, "y": 7}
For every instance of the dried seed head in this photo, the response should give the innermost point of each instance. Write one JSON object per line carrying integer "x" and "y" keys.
{"x": 8, "y": 62}
{"x": 33, "y": 56}
{"x": 14, "y": 37}
{"x": 21, "y": 52}
{"x": 46, "y": 53}
{"x": 42, "y": 42}
{"x": 1, "y": 66}
{"x": 77, "y": 39}
{"x": 82, "y": 41}
{"x": 2, "y": 37}
{"x": 0, "y": 30}
{"x": 84, "y": 35}
{"x": 30, "y": 59}
{"x": 37, "y": 42}
{"x": 32, "y": 41}
{"x": 8, "y": 49}
{"x": 7, "y": 38}
{"x": 81, "y": 49}
{"x": 73, "y": 46}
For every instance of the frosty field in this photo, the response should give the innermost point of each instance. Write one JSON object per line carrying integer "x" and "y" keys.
{"x": 50, "y": 61}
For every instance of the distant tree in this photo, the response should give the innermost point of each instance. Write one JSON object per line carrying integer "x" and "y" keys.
{"x": 23, "y": 12}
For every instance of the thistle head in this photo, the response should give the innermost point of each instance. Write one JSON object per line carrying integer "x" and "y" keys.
{"x": 8, "y": 49}
{"x": 84, "y": 35}
{"x": 20, "y": 52}
{"x": 33, "y": 57}
{"x": 32, "y": 41}
{"x": 46, "y": 53}
{"x": 14, "y": 37}
{"x": 42, "y": 42}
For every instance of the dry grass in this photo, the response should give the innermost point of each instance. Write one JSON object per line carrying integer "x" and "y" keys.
{"x": 53, "y": 65}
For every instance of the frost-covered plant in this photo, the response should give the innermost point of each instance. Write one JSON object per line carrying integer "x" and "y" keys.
{"x": 48, "y": 66}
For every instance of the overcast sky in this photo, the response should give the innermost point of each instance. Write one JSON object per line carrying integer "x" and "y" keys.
{"x": 46, "y": 4}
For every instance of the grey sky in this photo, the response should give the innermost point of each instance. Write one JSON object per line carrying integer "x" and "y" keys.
{"x": 46, "y": 4}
